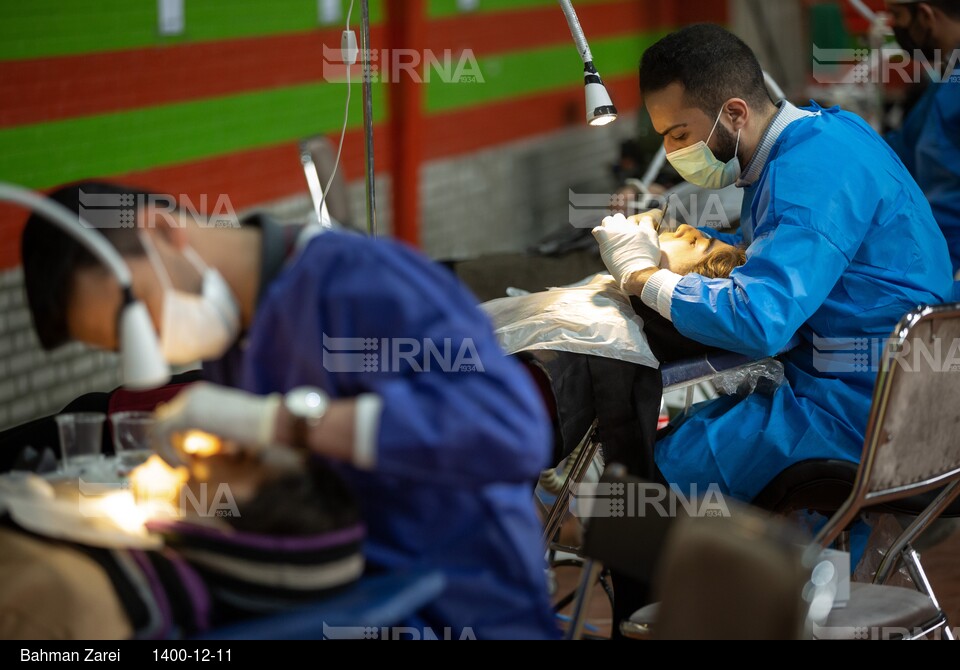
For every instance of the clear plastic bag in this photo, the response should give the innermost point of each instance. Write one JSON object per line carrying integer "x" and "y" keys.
{"x": 592, "y": 317}
{"x": 763, "y": 377}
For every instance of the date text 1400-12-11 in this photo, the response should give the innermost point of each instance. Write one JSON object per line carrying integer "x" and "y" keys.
{"x": 191, "y": 655}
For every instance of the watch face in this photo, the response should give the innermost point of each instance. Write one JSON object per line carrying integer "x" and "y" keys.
{"x": 307, "y": 403}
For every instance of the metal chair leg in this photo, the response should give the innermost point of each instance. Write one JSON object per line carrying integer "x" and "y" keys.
{"x": 912, "y": 561}
{"x": 914, "y": 530}
{"x": 591, "y": 573}
{"x": 587, "y": 452}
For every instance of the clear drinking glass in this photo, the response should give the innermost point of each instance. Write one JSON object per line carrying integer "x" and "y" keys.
{"x": 81, "y": 439}
{"x": 131, "y": 437}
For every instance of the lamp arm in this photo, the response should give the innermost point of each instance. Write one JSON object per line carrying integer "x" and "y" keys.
{"x": 72, "y": 225}
{"x": 577, "y": 31}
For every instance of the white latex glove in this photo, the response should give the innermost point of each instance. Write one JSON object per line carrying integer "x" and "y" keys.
{"x": 240, "y": 417}
{"x": 629, "y": 245}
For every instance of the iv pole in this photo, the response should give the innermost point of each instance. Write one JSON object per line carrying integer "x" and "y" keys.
{"x": 365, "y": 51}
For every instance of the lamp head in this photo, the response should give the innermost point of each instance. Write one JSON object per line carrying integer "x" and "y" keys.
{"x": 600, "y": 108}
{"x": 142, "y": 365}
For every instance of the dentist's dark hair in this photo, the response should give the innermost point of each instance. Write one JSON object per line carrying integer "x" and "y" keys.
{"x": 712, "y": 64}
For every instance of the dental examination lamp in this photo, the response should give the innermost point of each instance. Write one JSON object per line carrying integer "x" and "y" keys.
{"x": 142, "y": 363}
{"x": 600, "y": 108}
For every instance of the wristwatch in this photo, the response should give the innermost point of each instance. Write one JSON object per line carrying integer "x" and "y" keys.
{"x": 307, "y": 406}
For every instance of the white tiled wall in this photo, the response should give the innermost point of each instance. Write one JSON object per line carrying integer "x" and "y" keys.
{"x": 32, "y": 382}
{"x": 496, "y": 201}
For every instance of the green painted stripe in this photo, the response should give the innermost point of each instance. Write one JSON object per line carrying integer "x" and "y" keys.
{"x": 444, "y": 8}
{"x": 47, "y": 154}
{"x": 41, "y": 28}
{"x": 538, "y": 70}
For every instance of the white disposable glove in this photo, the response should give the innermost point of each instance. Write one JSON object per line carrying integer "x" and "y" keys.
{"x": 629, "y": 245}
{"x": 236, "y": 416}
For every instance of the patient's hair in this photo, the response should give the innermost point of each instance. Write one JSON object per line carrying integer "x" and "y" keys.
{"x": 310, "y": 502}
{"x": 720, "y": 263}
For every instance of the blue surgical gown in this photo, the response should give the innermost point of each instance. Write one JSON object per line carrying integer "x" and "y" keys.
{"x": 458, "y": 450}
{"x": 929, "y": 145}
{"x": 842, "y": 245}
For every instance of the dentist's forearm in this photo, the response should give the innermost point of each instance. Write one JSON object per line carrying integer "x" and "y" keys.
{"x": 333, "y": 437}
{"x": 347, "y": 432}
{"x": 636, "y": 281}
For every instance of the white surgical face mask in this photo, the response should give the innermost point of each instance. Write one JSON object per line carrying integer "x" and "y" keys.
{"x": 195, "y": 327}
{"x": 700, "y": 167}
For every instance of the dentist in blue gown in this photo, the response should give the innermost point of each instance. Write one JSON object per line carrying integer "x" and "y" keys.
{"x": 840, "y": 240}
{"x": 368, "y": 355}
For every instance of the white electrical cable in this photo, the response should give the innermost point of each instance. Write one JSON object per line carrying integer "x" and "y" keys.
{"x": 324, "y": 214}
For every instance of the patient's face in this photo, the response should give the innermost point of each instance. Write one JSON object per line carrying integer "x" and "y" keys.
{"x": 685, "y": 249}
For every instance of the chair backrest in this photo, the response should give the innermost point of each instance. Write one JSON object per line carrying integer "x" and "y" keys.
{"x": 912, "y": 441}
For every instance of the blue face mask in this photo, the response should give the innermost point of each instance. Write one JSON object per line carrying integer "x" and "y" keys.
{"x": 700, "y": 167}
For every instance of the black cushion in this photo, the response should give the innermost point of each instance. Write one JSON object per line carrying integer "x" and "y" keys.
{"x": 823, "y": 485}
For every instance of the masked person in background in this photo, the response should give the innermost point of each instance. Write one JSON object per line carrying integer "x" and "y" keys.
{"x": 361, "y": 352}
{"x": 929, "y": 141}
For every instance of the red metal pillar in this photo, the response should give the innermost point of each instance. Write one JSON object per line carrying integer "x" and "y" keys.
{"x": 406, "y": 35}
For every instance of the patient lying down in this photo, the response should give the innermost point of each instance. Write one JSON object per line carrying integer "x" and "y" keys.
{"x": 594, "y": 316}
{"x": 270, "y": 535}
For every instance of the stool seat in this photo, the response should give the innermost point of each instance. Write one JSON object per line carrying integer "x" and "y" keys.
{"x": 640, "y": 624}
{"x": 873, "y": 612}
{"x": 880, "y": 612}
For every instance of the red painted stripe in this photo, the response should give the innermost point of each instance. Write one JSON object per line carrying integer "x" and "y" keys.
{"x": 249, "y": 178}
{"x": 543, "y": 26}
{"x": 49, "y": 89}
{"x": 476, "y": 128}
